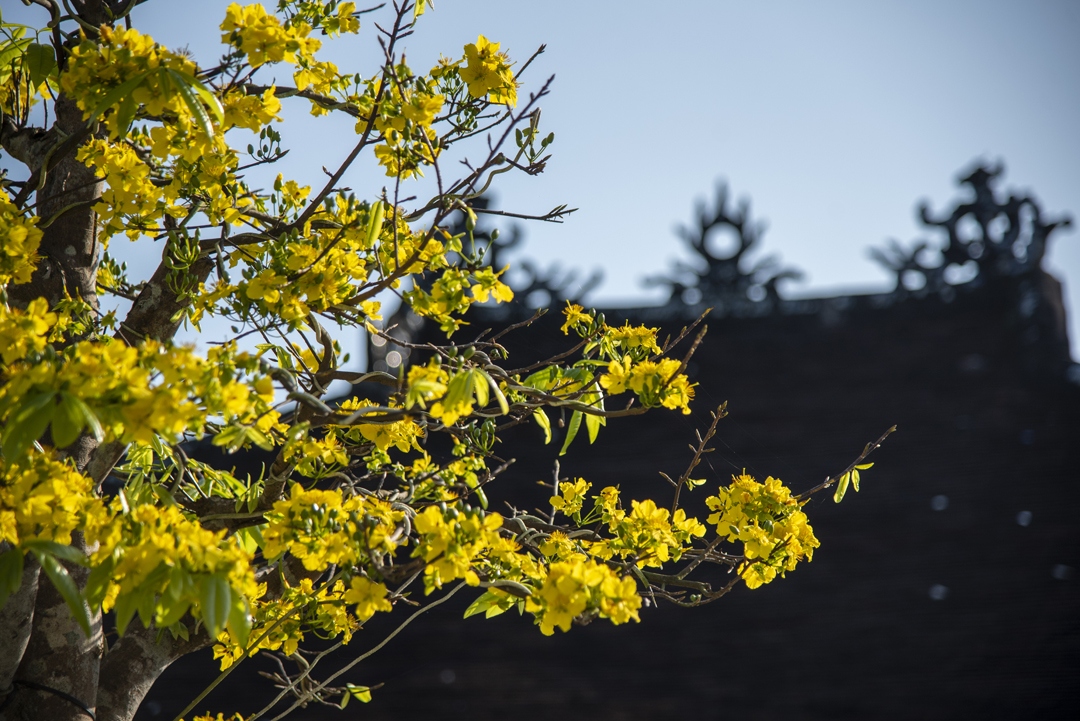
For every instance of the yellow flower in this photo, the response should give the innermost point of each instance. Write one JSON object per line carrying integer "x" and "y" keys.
{"x": 263, "y": 38}
{"x": 265, "y": 286}
{"x": 18, "y": 252}
{"x": 576, "y": 317}
{"x": 630, "y": 337}
{"x": 768, "y": 521}
{"x": 488, "y": 73}
{"x": 369, "y": 597}
{"x": 617, "y": 378}
{"x": 249, "y": 111}
{"x": 572, "y": 496}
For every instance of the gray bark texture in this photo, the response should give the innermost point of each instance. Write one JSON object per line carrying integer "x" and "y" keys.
{"x": 15, "y": 619}
{"x": 58, "y": 655}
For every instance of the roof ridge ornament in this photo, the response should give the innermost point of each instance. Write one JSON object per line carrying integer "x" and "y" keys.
{"x": 728, "y": 281}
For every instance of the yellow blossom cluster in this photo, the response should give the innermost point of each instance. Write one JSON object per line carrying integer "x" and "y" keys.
{"x": 451, "y": 541}
{"x": 403, "y": 434}
{"x": 425, "y": 382}
{"x": 42, "y": 498}
{"x": 163, "y": 564}
{"x": 250, "y": 111}
{"x": 149, "y": 559}
{"x": 408, "y": 252}
{"x": 768, "y": 521}
{"x": 263, "y": 38}
{"x": 633, "y": 364}
{"x": 572, "y": 587}
{"x": 487, "y": 73}
{"x": 281, "y": 624}
{"x": 577, "y": 319}
{"x": 436, "y": 482}
{"x": 327, "y": 527}
{"x": 133, "y": 393}
{"x": 369, "y": 597}
{"x": 630, "y": 337}
{"x": 130, "y": 203}
{"x": 453, "y": 292}
{"x": 326, "y": 266}
{"x": 202, "y": 170}
{"x": 407, "y": 109}
{"x": 637, "y": 342}
{"x": 571, "y": 496}
{"x": 315, "y": 456}
{"x": 123, "y": 70}
{"x": 18, "y": 252}
{"x": 656, "y": 383}
{"x": 648, "y": 535}
{"x": 456, "y": 391}
{"x": 25, "y": 332}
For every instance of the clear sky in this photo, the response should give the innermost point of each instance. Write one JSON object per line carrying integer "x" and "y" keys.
{"x": 833, "y": 118}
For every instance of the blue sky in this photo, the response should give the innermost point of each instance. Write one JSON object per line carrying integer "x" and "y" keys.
{"x": 833, "y": 118}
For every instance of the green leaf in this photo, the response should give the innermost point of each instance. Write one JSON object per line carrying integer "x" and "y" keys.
{"x": 215, "y": 601}
{"x": 126, "y": 604}
{"x": 592, "y": 424}
{"x": 543, "y": 380}
{"x": 259, "y": 438}
{"x": 239, "y": 622}
{"x": 171, "y": 611}
{"x": 571, "y": 431}
{"x": 375, "y": 222}
{"x": 481, "y": 604}
{"x": 542, "y": 420}
{"x": 361, "y": 693}
{"x": 11, "y": 570}
{"x": 499, "y": 397}
{"x": 90, "y": 419}
{"x": 68, "y": 553}
{"x": 65, "y": 584}
{"x": 459, "y": 390}
{"x": 480, "y": 387}
{"x": 27, "y": 424}
{"x": 855, "y": 480}
{"x": 191, "y": 100}
{"x": 204, "y": 93}
{"x": 67, "y": 422}
{"x": 179, "y": 630}
{"x": 247, "y": 541}
{"x": 179, "y": 582}
{"x": 40, "y": 62}
{"x": 841, "y": 488}
{"x": 124, "y": 90}
{"x": 98, "y": 582}
{"x": 9, "y": 51}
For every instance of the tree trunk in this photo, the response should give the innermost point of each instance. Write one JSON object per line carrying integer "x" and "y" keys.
{"x": 58, "y": 658}
{"x": 69, "y": 247}
{"x": 15, "y": 621}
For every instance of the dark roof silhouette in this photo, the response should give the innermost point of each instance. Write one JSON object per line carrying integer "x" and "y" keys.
{"x": 946, "y": 588}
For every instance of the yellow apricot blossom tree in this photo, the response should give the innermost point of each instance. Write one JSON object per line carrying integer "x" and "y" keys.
{"x": 109, "y": 137}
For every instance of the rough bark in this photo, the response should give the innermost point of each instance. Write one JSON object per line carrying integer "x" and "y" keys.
{"x": 155, "y": 313}
{"x": 58, "y": 655}
{"x": 15, "y": 620}
{"x": 69, "y": 244}
{"x": 132, "y": 665}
